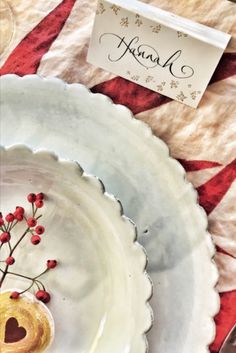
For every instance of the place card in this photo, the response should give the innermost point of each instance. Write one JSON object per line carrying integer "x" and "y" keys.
{"x": 156, "y": 49}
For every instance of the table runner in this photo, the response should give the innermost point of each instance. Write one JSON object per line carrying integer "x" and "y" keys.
{"x": 51, "y": 38}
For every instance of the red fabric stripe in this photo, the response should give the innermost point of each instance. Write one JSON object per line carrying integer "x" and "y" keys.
{"x": 193, "y": 166}
{"x": 212, "y": 192}
{"x": 225, "y": 320}
{"x": 139, "y": 99}
{"x": 26, "y": 57}
{"x": 130, "y": 94}
{"x": 222, "y": 251}
{"x": 226, "y": 67}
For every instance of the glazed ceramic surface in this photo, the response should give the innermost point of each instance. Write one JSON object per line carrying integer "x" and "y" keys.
{"x": 100, "y": 288}
{"x": 136, "y": 167}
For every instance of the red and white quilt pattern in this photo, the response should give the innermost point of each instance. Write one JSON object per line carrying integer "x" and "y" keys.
{"x": 51, "y": 38}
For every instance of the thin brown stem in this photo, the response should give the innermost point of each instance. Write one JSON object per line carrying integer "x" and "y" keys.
{"x": 37, "y": 281}
{"x": 26, "y": 290}
{"x": 8, "y": 227}
{"x": 41, "y": 273}
{"x": 18, "y": 242}
{"x": 37, "y": 285}
{"x": 19, "y": 275}
{"x": 11, "y": 252}
{"x": 9, "y": 245}
{"x": 13, "y": 225}
{"x": 34, "y": 279}
{"x": 3, "y": 228}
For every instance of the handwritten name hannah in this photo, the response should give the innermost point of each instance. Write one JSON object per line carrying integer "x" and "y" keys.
{"x": 147, "y": 56}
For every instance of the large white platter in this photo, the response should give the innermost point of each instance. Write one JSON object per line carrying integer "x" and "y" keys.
{"x": 136, "y": 167}
{"x": 99, "y": 288}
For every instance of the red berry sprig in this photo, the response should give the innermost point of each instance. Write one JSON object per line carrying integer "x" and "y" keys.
{"x": 39, "y": 230}
{"x": 39, "y": 203}
{"x": 14, "y": 295}
{"x": 31, "y": 198}
{"x": 31, "y": 222}
{"x": 10, "y": 217}
{"x": 10, "y": 260}
{"x": 35, "y": 239}
{"x": 35, "y": 230}
{"x": 5, "y": 237}
{"x": 43, "y": 296}
{"x": 51, "y": 264}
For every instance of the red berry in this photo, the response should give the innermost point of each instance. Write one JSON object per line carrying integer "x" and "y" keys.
{"x": 14, "y": 295}
{"x": 10, "y": 217}
{"x": 1, "y": 222}
{"x": 40, "y": 294}
{"x": 39, "y": 203}
{"x": 43, "y": 296}
{"x": 20, "y": 209}
{"x": 51, "y": 264}
{"x": 40, "y": 196}
{"x": 10, "y": 260}
{"x": 35, "y": 239}
{"x": 18, "y": 216}
{"x": 5, "y": 237}
{"x": 39, "y": 230}
{"x": 31, "y": 197}
{"x": 31, "y": 222}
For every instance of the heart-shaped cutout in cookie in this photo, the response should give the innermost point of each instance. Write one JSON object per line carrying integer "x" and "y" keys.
{"x": 14, "y": 332}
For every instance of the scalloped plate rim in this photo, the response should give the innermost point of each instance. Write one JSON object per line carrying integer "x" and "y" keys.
{"x": 131, "y": 241}
{"x": 147, "y": 134}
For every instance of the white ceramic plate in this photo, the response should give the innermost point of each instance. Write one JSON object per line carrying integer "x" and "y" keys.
{"x": 136, "y": 167}
{"x": 100, "y": 288}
